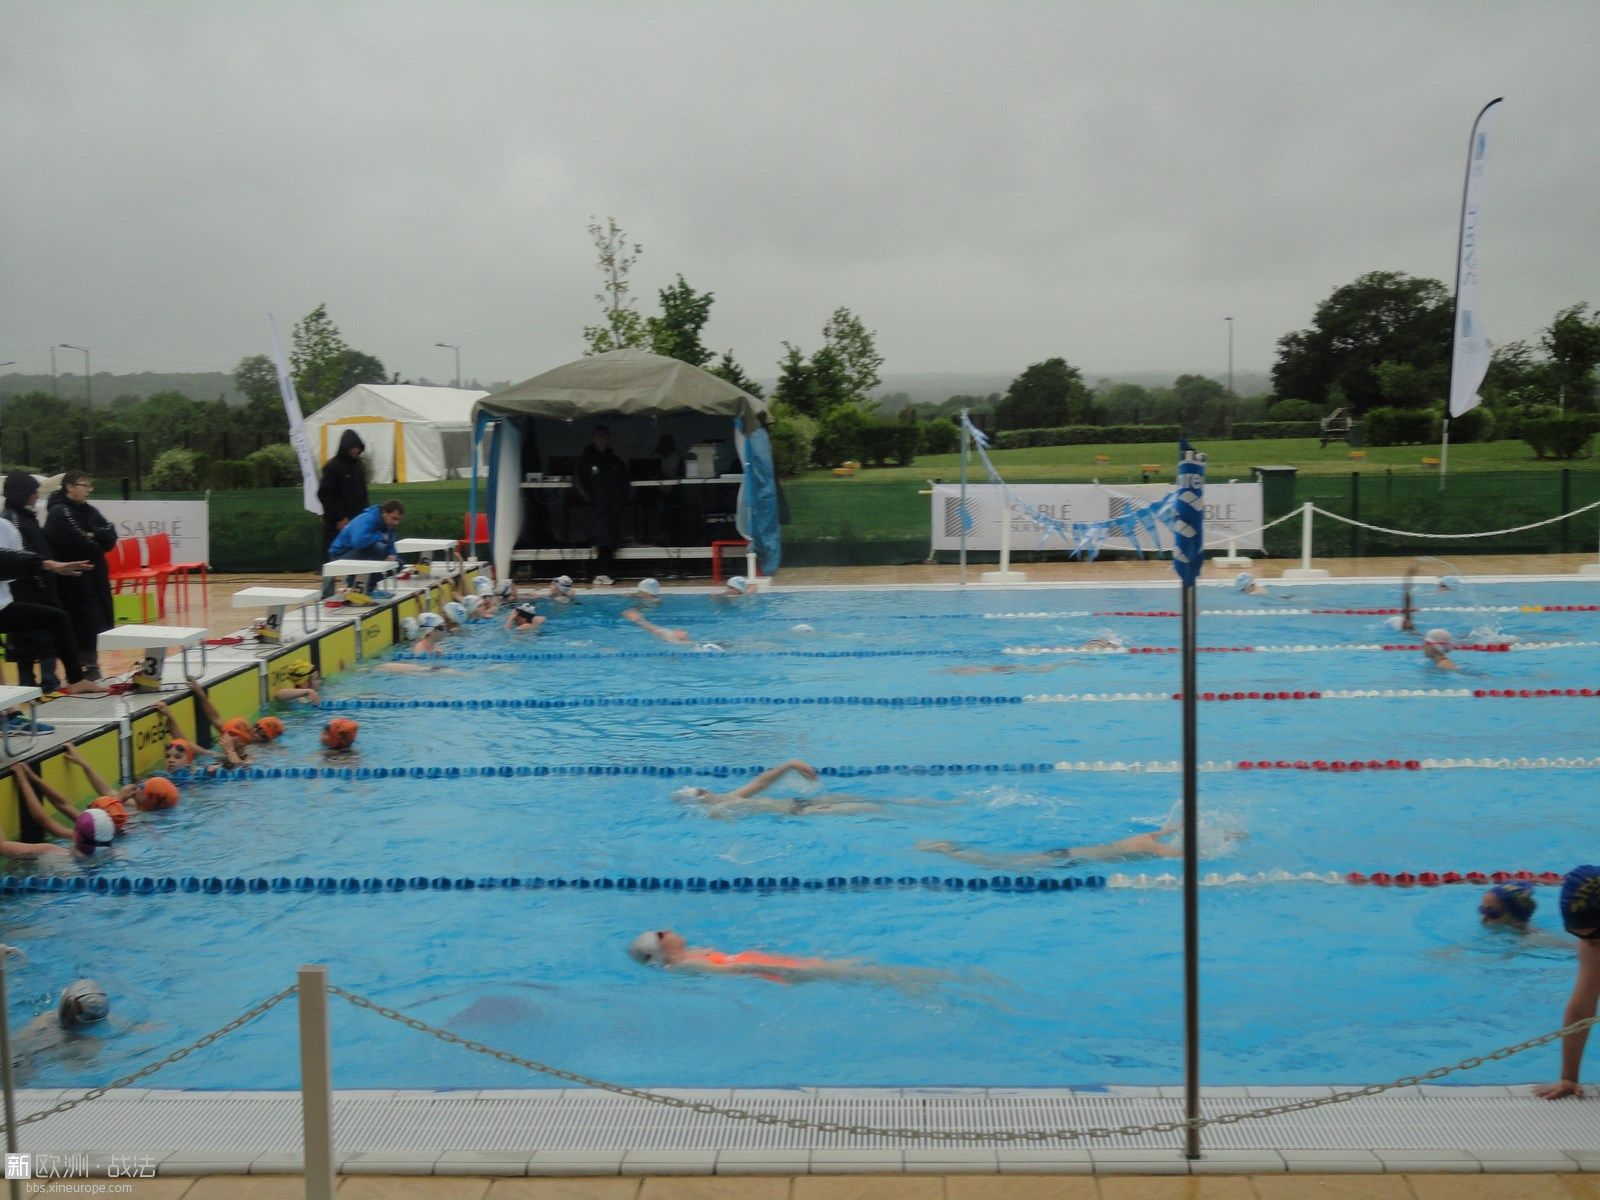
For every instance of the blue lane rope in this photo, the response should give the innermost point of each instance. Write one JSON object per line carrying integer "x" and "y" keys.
{"x": 683, "y": 702}
{"x": 571, "y": 770}
{"x": 589, "y": 656}
{"x": 238, "y": 885}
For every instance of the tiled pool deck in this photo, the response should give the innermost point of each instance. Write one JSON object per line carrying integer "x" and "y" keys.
{"x": 1415, "y": 1144}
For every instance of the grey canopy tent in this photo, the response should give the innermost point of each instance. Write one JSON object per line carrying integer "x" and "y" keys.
{"x": 545, "y": 421}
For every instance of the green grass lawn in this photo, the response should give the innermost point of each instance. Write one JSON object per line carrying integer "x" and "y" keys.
{"x": 1225, "y": 460}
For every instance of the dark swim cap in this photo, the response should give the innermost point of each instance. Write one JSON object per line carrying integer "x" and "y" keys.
{"x": 1580, "y": 898}
{"x": 1517, "y": 898}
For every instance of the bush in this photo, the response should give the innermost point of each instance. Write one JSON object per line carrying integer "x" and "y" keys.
{"x": 228, "y": 473}
{"x": 1510, "y": 420}
{"x": 1246, "y": 430}
{"x": 1295, "y": 410}
{"x": 939, "y": 436}
{"x": 884, "y": 441}
{"x": 1401, "y": 426}
{"x": 840, "y": 436}
{"x": 274, "y": 466}
{"x": 1560, "y": 437}
{"x": 174, "y": 471}
{"x": 1475, "y": 425}
{"x": 792, "y": 436}
{"x": 1084, "y": 435}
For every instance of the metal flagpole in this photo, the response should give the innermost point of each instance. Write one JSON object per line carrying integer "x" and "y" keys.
{"x": 966, "y": 452}
{"x": 1187, "y": 559}
{"x": 5, "y": 1070}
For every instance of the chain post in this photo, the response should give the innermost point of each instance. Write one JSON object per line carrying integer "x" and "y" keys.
{"x": 316, "y": 1083}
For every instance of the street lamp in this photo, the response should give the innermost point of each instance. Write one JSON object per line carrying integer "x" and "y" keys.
{"x": 457, "y": 349}
{"x": 1229, "y": 320}
{"x": 88, "y": 394}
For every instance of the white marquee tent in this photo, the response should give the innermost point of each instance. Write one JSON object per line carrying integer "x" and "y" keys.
{"x": 413, "y": 434}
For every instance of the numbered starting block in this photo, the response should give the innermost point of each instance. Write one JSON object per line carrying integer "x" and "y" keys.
{"x": 277, "y": 602}
{"x": 154, "y": 642}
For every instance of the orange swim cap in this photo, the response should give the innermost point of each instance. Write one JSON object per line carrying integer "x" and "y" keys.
{"x": 340, "y": 733}
{"x": 113, "y": 808}
{"x": 240, "y": 729}
{"x": 269, "y": 728}
{"x": 183, "y": 747}
{"x": 157, "y": 792}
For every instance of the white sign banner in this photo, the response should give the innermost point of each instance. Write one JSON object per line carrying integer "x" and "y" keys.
{"x": 309, "y": 478}
{"x": 1233, "y": 510}
{"x": 1471, "y": 352}
{"x": 186, "y": 522}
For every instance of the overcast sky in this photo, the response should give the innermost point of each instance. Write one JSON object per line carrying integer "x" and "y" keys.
{"x": 985, "y": 184}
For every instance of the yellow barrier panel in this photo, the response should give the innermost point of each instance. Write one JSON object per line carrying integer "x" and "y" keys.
{"x": 377, "y": 633}
{"x": 10, "y": 808}
{"x": 104, "y": 753}
{"x": 238, "y": 695}
{"x": 336, "y": 650}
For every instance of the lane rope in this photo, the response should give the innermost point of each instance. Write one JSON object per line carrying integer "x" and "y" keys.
{"x": 1312, "y": 648}
{"x": 1292, "y": 612}
{"x": 1331, "y": 694}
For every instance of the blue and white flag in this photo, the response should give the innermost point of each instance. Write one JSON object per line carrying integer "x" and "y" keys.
{"x": 309, "y": 478}
{"x": 1471, "y": 352}
{"x": 1189, "y": 514}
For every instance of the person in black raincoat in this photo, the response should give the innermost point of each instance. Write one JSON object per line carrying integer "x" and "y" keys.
{"x": 601, "y": 480}
{"x": 77, "y": 531}
{"x": 343, "y": 492}
{"x": 33, "y": 650}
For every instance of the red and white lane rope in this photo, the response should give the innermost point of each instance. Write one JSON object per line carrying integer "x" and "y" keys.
{"x": 1326, "y": 694}
{"x": 1275, "y": 611}
{"x": 1389, "y": 647}
{"x": 1338, "y": 766}
{"x": 1167, "y": 880}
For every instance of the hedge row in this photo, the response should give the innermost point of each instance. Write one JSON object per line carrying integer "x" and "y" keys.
{"x": 1085, "y": 435}
{"x": 1250, "y": 430}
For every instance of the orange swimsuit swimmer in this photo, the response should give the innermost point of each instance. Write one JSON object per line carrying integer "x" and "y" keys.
{"x": 756, "y": 958}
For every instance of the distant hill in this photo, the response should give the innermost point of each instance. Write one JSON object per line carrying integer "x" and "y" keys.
{"x": 197, "y": 385}
{"x": 935, "y": 387}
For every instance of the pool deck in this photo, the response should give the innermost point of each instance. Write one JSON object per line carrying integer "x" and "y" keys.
{"x": 582, "y": 1145}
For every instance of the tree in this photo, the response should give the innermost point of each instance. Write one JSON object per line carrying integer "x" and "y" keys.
{"x": 1406, "y": 385}
{"x": 317, "y": 360}
{"x": 1202, "y": 405}
{"x": 854, "y": 351}
{"x": 1383, "y": 316}
{"x": 676, "y": 332}
{"x": 1124, "y": 403}
{"x": 257, "y": 378}
{"x": 1047, "y": 394}
{"x": 1573, "y": 345}
{"x": 728, "y": 369}
{"x": 624, "y": 328}
{"x": 797, "y": 384}
{"x": 356, "y": 368}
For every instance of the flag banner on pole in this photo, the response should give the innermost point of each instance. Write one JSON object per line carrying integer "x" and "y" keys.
{"x": 1470, "y": 354}
{"x": 1188, "y": 521}
{"x": 297, "y": 426}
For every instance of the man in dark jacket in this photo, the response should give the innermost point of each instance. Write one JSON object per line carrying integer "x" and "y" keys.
{"x": 21, "y": 618}
{"x": 601, "y": 481}
{"x": 77, "y": 532}
{"x": 34, "y": 651}
{"x": 343, "y": 492}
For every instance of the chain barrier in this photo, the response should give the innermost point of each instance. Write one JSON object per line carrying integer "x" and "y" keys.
{"x": 1577, "y": 512}
{"x": 948, "y": 1135}
{"x": 238, "y": 1022}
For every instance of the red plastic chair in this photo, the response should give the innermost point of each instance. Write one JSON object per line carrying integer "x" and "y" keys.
{"x": 473, "y": 537}
{"x": 161, "y": 561}
{"x": 123, "y": 563}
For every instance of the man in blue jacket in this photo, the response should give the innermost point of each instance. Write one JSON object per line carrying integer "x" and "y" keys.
{"x": 370, "y": 534}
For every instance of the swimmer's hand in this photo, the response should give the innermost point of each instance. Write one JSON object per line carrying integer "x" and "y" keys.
{"x": 805, "y": 770}
{"x": 1559, "y": 1091}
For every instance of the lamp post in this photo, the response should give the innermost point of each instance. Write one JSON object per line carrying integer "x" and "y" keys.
{"x": 457, "y": 349}
{"x": 88, "y": 393}
{"x": 1229, "y": 320}
{"x": 55, "y": 392}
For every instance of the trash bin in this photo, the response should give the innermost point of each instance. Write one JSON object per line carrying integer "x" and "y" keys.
{"x": 1277, "y": 490}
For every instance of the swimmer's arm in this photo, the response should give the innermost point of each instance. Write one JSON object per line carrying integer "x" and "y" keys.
{"x": 203, "y": 699}
{"x": 1582, "y": 1004}
{"x": 295, "y": 693}
{"x": 771, "y": 776}
{"x": 96, "y": 781}
{"x": 29, "y": 849}
{"x": 993, "y": 862}
{"x": 30, "y": 798}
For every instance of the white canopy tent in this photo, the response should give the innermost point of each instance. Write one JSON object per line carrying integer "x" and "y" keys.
{"x": 413, "y": 434}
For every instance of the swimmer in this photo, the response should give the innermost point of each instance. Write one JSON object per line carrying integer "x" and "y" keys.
{"x": 666, "y": 949}
{"x": 455, "y": 615}
{"x": 1510, "y": 907}
{"x": 525, "y": 618}
{"x": 91, "y": 831}
{"x": 71, "y": 1031}
{"x": 736, "y": 587}
{"x": 1436, "y": 649}
{"x": 648, "y": 592}
{"x": 424, "y": 633}
{"x": 1016, "y": 668}
{"x": 1129, "y": 849}
{"x": 1247, "y": 584}
{"x": 747, "y": 798}
{"x": 560, "y": 591}
{"x": 1580, "y": 916}
{"x": 677, "y": 637}
{"x": 339, "y": 734}
{"x": 155, "y": 792}
{"x": 489, "y": 596}
{"x": 304, "y": 680}
{"x": 1447, "y": 583}
{"x": 244, "y": 733}
{"x": 180, "y": 753}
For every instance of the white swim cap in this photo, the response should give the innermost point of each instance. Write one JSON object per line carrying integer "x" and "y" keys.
{"x": 739, "y": 583}
{"x": 1449, "y": 581}
{"x": 1243, "y": 580}
{"x": 1437, "y": 637}
{"x": 473, "y": 605}
{"x": 562, "y": 583}
{"x": 527, "y": 611}
{"x": 455, "y": 611}
{"x": 483, "y": 586}
{"x": 646, "y": 947}
{"x": 650, "y": 587}
{"x": 409, "y": 629}
{"x": 1396, "y": 623}
{"x": 83, "y": 1002}
{"x": 686, "y": 794}
{"x": 428, "y": 620}
{"x": 801, "y": 628}
{"x": 709, "y": 648}
{"x": 507, "y": 587}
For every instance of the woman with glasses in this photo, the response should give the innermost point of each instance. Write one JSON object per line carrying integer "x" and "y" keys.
{"x": 77, "y": 532}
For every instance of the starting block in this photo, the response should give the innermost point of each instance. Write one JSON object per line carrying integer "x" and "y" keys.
{"x": 156, "y": 641}
{"x": 16, "y": 697}
{"x": 277, "y": 601}
{"x": 342, "y": 567}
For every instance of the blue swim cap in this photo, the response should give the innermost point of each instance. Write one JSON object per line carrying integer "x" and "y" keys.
{"x": 1580, "y": 898}
{"x": 1517, "y": 899}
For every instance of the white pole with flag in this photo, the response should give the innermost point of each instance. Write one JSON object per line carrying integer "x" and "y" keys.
{"x": 297, "y": 426}
{"x": 1470, "y": 352}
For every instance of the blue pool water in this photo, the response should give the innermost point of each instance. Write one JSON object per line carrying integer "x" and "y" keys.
{"x": 1304, "y": 983}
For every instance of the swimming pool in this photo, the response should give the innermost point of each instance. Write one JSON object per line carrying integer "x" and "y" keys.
{"x": 1303, "y": 982}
